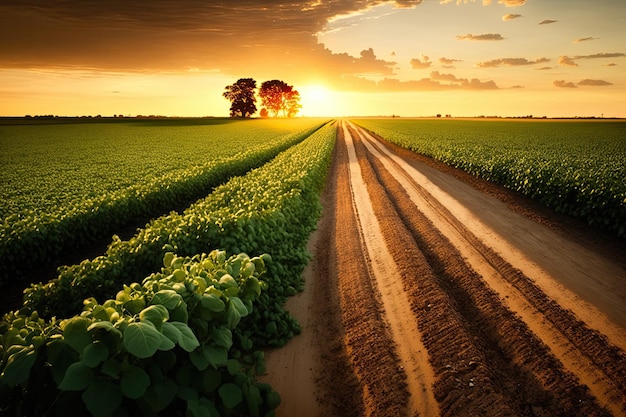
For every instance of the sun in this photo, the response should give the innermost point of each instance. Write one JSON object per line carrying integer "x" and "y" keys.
{"x": 316, "y": 100}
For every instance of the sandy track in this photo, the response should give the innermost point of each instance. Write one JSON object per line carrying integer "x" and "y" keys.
{"x": 429, "y": 297}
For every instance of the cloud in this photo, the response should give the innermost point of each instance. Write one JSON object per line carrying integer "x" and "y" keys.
{"x": 512, "y": 3}
{"x": 611, "y": 64}
{"x": 579, "y": 40}
{"x": 473, "y": 84}
{"x": 511, "y": 62}
{"x": 483, "y": 37}
{"x": 566, "y": 61}
{"x": 425, "y": 62}
{"x": 543, "y": 68}
{"x": 547, "y": 22}
{"x": 595, "y": 83}
{"x": 511, "y": 16}
{"x": 448, "y": 62}
{"x": 585, "y": 82}
{"x": 601, "y": 55}
{"x": 564, "y": 84}
{"x": 570, "y": 62}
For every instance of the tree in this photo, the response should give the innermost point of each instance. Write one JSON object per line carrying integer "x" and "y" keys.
{"x": 278, "y": 96}
{"x": 263, "y": 113}
{"x": 242, "y": 97}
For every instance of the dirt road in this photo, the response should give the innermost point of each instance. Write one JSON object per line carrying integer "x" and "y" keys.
{"x": 427, "y": 296}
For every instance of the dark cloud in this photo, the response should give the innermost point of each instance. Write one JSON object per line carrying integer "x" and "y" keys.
{"x": 579, "y": 40}
{"x": 547, "y": 22}
{"x": 601, "y": 55}
{"x": 483, "y": 37}
{"x": 511, "y": 62}
{"x": 177, "y": 35}
{"x": 596, "y": 83}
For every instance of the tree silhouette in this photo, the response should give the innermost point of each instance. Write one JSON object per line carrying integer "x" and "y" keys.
{"x": 242, "y": 97}
{"x": 278, "y": 96}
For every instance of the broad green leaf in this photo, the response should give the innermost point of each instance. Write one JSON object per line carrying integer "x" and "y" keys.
{"x": 75, "y": 333}
{"x": 160, "y": 394}
{"x": 232, "y": 316}
{"x": 201, "y": 408}
{"x": 77, "y": 377}
{"x": 18, "y": 366}
{"x": 180, "y": 313}
{"x": 188, "y": 339}
{"x": 253, "y": 400}
{"x": 171, "y": 332}
{"x": 199, "y": 359}
{"x": 112, "y": 368}
{"x": 231, "y": 395}
{"x": 216, "y": 355}
{"x": 167, "y": 259}
{"x": 166, "y": 343}
{"x": 273, "y": 400}
{"x": 135, "y": 305}
{"x": 187, "y": 393}
{"x": 233, "y": 366}
{"x": 134, "y": 382}
{"x": 213, "y": 303}
{"x": 142, "y": 339}
{"x": 222, "y": 336}
{"x": 239, "y": 305}
{"x": 211, "y": 380}
{"x": 102, "y": 398}
{"x": 156, "y": 314}
{"x": 60, "y": 356}
{"x": 168, "y": 298}
{"x": 104, "y": 325}
{"x": 94, "y": 354}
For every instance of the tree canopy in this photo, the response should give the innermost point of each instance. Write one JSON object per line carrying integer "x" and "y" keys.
{"x": 278, "y": 96}
{"x": 242, "y": 97}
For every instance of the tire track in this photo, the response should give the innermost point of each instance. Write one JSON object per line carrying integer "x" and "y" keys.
{"x": 485, "y": 356}
{"x": 384, "y": 274}
{"x": 582, "y": 351}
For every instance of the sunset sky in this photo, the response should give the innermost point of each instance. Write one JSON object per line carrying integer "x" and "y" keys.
{"x": 346, "y": 57}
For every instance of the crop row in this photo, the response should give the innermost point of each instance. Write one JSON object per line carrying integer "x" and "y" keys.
{"x": 574, "y": 167}
{"x": 272, "y": 209}
{"x": 35, "y": 239}
{"x": 183, "y": 341}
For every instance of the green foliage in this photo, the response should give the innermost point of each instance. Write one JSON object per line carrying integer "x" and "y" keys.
{"x": 575, "y": 167}
{"x": 117, "y": 359}
{"x": 272, "y": 209}
{"x": 64, "y": 186}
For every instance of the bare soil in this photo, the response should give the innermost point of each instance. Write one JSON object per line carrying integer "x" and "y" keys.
{"x": 434, "y": 293}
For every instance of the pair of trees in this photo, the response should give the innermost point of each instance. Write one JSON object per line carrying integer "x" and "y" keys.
{"x": 276, "y": 97}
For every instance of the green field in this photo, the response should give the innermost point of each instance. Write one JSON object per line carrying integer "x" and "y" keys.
{"x": 49, "y": 168}
{"x": 170, "y": 325}
{"x": 65, "y": 184}
{"x": 576, "y": 167}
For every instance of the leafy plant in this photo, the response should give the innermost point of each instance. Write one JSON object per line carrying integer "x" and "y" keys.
{"x": 169, "y": 345}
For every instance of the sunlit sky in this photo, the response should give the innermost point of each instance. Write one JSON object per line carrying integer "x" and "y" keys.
{"x": 346, "y": 57}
